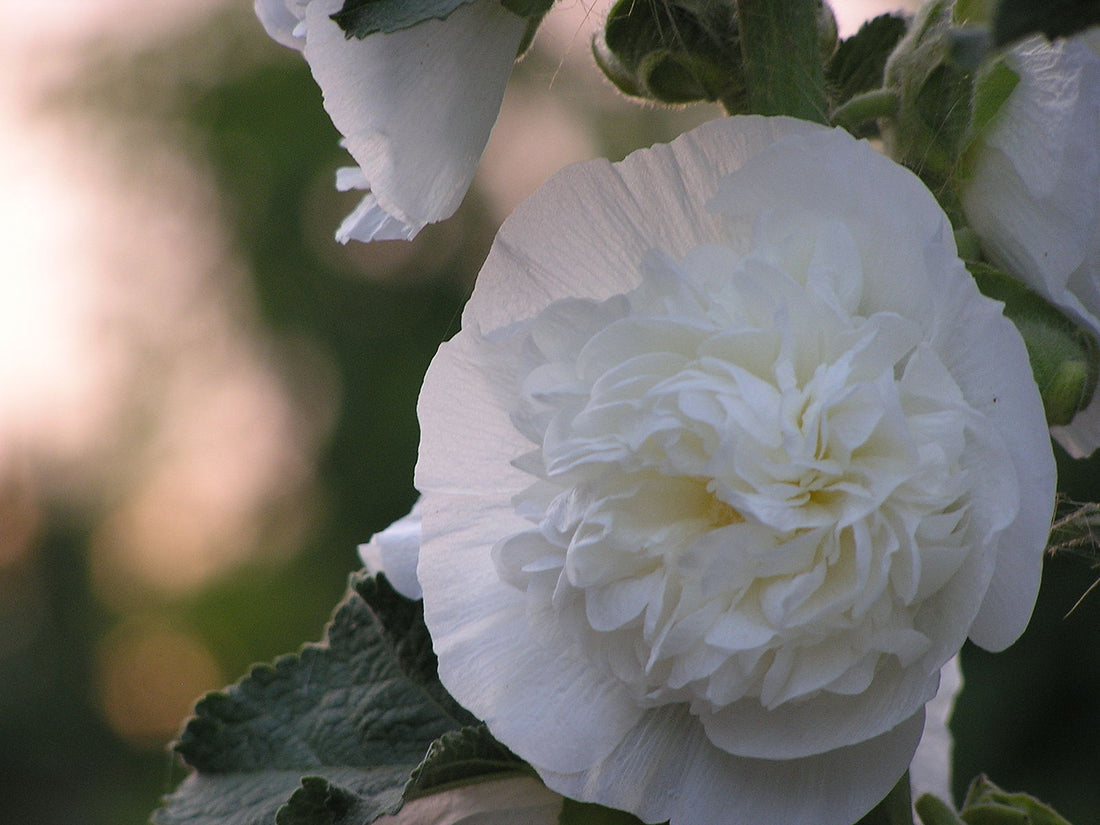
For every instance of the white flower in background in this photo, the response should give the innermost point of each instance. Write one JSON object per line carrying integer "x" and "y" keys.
{"x": 1034, "y": 198}
{"x": 394, "y": 551}
{"x": 729, "y": 458}
{"x": 930, "y": 771}
{"x": 415, "y": 106}
{"x": 520, "y": 801}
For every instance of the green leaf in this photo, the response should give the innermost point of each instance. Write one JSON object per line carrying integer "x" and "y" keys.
{"x": 588, "y": 813}
{"x": 360, "y": 18}
{"x": 1015, "y": 19}
{"x": 337, "y": 728}
{"x": 463, "y": 757}
{"x": 321, "y": 802}
{"x": 859, "y": 62}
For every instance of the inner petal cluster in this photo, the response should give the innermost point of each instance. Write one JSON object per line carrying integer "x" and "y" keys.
{"x": 743, "y": 485}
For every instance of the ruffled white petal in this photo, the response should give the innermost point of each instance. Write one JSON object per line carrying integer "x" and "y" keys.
{"x": 395, "y": 552}
{"x": 415, "y": 107}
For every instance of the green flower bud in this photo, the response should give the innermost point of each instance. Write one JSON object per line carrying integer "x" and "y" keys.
{"x": 674, "y": 52}
{"x": 986, "y": 804}
{"x": 682, "y": 51}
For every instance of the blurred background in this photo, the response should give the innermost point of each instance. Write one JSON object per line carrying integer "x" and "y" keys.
{"x": 206, "y": 403}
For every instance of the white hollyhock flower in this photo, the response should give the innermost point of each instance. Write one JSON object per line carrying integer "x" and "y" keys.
{"x": 1034, "y": 197}
{"x": 415, "y": 106}
{"x": 394, "y": 552}
{"x": 729, "y": 458}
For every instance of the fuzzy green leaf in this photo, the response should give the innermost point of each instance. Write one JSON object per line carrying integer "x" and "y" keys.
{"x": 463, "y": 757}
{"x": 337, "y": 728}
{"x": 859, "y": 62}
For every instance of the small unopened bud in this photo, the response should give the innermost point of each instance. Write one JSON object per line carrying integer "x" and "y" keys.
{"x": 989, "y": 805}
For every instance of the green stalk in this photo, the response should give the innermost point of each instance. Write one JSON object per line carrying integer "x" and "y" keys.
{"x": 782, "y": 57}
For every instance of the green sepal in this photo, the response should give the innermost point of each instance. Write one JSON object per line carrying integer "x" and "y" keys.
{"x": 974, "y": 12}
{"x": 361, "y": 18}
{"x": 986, "y": 804}
{"x": 949, "y": 93}
{"x": 994, "y": 83}
{"x": 1015, "y": 19}
{"x": 930, "y": 128}
{"x": 338, "y": 727}
{"x": 464, "y": 757}
{"x": 857, "y": 66}
{"x": 1064, "y": 357}
{"x": 932, "y": 810}
{"x": 588, "y": 813}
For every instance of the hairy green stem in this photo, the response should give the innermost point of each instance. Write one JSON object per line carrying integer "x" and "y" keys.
{"x": 782, "y": 57}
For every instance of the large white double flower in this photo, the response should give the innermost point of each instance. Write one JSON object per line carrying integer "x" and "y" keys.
{"x": 1034, "y": 197}
{"x": 415, "y": 106}
{"x": 729, "y": 458}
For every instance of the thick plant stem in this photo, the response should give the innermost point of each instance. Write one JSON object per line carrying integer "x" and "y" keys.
{"x": 782, "y": 58}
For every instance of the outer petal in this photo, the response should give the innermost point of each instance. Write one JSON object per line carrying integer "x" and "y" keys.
{"x": 1034, "y": 198}
{"x": 986, "y": 355}
{"x": 667, "y": 769}
{"x": 415, "y": 107}
{"x": 395, "y": 551}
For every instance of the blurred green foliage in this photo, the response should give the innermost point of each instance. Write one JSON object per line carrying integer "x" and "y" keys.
{"x": 250, "y": 113}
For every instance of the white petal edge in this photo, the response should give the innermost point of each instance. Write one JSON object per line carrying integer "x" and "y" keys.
{"x": 659, "y": 772}
{"x": 395, "y": 552}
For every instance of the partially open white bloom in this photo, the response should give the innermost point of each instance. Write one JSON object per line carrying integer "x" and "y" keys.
{"x": 394, "y": 552}
{"x": 415, "y": 106}
{"x": 729, "y": 458}
{"x": 1034, "y": 198}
